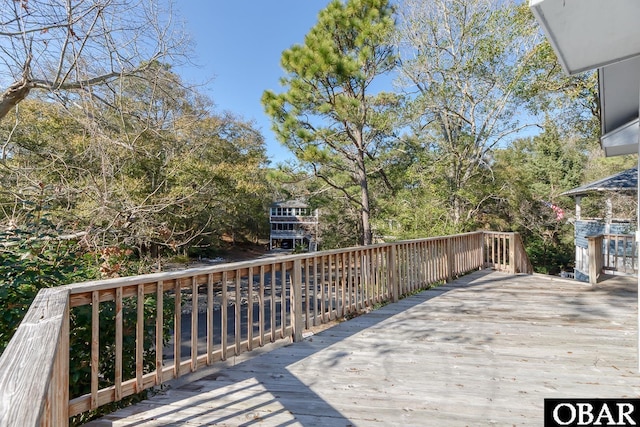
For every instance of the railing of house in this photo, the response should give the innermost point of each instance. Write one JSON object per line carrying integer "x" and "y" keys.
{"x": 146, "y": 330}
{"x": 612, "y": 253}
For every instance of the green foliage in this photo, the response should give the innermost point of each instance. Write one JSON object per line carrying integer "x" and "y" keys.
{"x": 327, "y": 116}
{"x": 36, "y": 255}
{"x": 180, "y": 188}
{"x": 32, "y": 257}
{"x": 464, "y": 59}
{"x": 535, "y": 172}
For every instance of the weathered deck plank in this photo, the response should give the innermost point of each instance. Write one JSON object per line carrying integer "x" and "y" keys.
{"x": 485, "y": 349}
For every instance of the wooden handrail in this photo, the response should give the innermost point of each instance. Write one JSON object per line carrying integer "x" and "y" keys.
{"x": 34, "y": 379}
{"x": 243, "y": 305}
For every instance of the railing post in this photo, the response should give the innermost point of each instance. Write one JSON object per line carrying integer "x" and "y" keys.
{"x": 58, "y": 398}
{"x": 449, "y": 264}
{"x": 512, "y": 253}
{"x": 392, "y": 275}
{"x": 297, "y": 323}
{"x": 594, "y": 253}
{"x": 481, "y": 251}
{"x": 34, "y": 365}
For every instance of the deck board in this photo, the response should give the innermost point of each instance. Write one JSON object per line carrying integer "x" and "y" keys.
{"x": 485, "y": 349}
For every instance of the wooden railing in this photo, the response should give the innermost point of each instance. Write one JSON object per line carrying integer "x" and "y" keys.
{"x": 183, "y": 321}
{"x": 612, "y": 253}
{"x": 505, "y": 252}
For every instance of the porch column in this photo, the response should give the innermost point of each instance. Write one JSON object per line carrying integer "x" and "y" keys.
{"x": 608, "y": 216}
{"x": 638, "y": 240}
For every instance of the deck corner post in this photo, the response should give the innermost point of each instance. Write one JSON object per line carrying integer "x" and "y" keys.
{"x": 392, "y": 274}
{"x": 297, "y": 322}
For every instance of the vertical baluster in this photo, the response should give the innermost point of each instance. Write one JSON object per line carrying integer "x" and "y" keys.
{"x": 494, "y": 248}
{"x": 315, "y": 290}
{"x": 261, "y": 318}
{"x": 415, "y": 267}
{"x": 330, "y": 284}
{"x": 400, "y": 269}
{"x": 283, "y": 299}
{"x": 343, "y": 284}
{"x": 295, "y": 298}
{"x": 307, "y": 294}
{"x": 177, "y": 328}
{"x": 139, "y": 337}
{"x": 350, "y": 294}
{"x": 95, "y": 347}
{"x": 224, "y": 318}
{"x": 250, "y": 309}
{"x": 616, "y": 257}
{"x": 423, "y": 264}
{"x": 159, "y": 330}
{"x": 118, "y": 362}
{"x": 273, "y": 302}
{"x": 238, "y": 312}
{"x": 374, "y": 275}
{"x": 194, "y": 323}
{"x": 322, "y": 289}
{"x": 357, "y": 277}
{"x": 634, "y": 252}
{"x": 210, "y": 303}
{"x": 364, "y": 271}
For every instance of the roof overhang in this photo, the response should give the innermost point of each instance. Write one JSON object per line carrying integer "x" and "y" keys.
{"x": 624, "y": 182}
{"x": 623, "y": 140}
{"x": 587, "y": 34}
{"x": 619, "y": 93}
{"x": 619, "y": 103}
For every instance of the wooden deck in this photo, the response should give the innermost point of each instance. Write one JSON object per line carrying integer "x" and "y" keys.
{"x": 483, "y": 350}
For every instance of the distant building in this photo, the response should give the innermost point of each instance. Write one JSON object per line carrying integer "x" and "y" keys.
{"x": 623, "y": 183}
{"x": 293, "y": 224}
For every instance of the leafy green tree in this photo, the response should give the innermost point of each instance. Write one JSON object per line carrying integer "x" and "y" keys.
{"x": 33, "y": 257}
{"x": 464, "y": 60}
{"x": 536, "y": 171}
{"x": 163, "y": 176}
{"x": 328, "y": 116}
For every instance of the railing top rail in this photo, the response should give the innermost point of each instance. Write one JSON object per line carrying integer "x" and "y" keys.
{"x": 612, "y": 235}
{"x": 198, "y": 271}
{"x": 37, "y": 336}
{"x": 501, "y": 233}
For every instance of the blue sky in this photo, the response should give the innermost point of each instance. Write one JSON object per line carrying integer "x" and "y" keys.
{"x": 238, "y": 44}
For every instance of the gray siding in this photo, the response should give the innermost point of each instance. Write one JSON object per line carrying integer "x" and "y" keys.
{"x": 585, "y": 229}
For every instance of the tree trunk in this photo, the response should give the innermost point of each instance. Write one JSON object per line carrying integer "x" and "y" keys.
{"x": 364, "y": 196}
